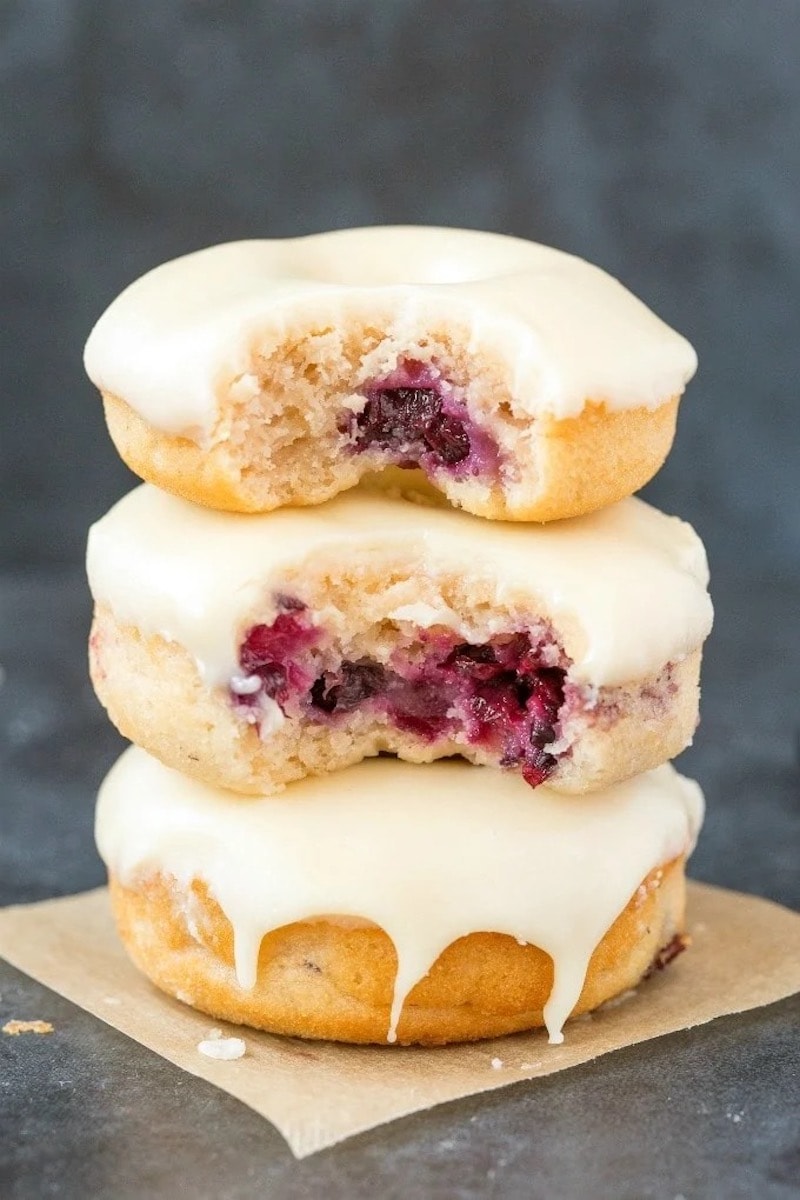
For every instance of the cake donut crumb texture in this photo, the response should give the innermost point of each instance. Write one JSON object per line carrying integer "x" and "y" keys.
{"x": 527, "y": 383}
{"x": 251, "y": 651}
{"x": 422, "y": 904}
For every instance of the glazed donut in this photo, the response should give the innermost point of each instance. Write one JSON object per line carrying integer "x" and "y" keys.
{"x": 423, "y": 904}
{"x": 528, "y": 384}
{"x": 250, "y": 651}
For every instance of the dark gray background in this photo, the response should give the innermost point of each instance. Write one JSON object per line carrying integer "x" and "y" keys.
{"x": 659, "y": 138}
{"x": 656, "y": 137}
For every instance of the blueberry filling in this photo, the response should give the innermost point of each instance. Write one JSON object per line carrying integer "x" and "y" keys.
{"x": 504, "y": 695}
{"x": 410, "y": 422}
{"x": 342, "y": 691}
{"x": 270, "y": 653}
{"x": 416, "y": 418}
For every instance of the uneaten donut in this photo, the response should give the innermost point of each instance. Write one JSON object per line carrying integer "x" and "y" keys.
{"x": 388, "y": 902}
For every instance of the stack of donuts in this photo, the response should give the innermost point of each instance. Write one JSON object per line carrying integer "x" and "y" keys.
{"x": 403, "y": 661}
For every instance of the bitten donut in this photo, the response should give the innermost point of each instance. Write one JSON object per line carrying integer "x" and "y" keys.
{"x": 390, "y": 902}
{"x": 527, "y": 384}
{"x": 250, "y": 651}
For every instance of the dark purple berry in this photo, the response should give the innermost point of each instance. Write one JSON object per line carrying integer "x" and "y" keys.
{"x": 360, "y": 681}
{"x": 396, "y": 418}
{"x": 464, "y": 656}
{"x": 537, "y": 768}
{"x": 409, "y": 422}
{"x": 475, "y": 662}
{"x": 321, "y": 696}
{"x": 447, "y": 439}
{"x": 344, "y": 690}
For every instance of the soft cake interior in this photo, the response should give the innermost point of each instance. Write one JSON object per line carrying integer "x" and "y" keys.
{"x": 330, "y": 402}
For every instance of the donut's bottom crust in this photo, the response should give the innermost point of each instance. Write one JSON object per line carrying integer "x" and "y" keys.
{"x": 331, "y": 980}
{"x": 580, "y": 464}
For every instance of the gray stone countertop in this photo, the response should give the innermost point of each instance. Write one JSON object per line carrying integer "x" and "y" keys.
{"x": 714, "y": 1112}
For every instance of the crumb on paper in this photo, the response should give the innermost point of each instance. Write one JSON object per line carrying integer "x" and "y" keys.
{"x": 497, "y": 1064}
{"x": 735, "y": 1116}
{"x": 15, "y": 1028}
{"x": 224, "y": 1048}
{"x": 526, "y": 1066}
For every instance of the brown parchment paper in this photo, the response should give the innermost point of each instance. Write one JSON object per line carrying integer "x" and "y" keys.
{"x": 746, "y": 953}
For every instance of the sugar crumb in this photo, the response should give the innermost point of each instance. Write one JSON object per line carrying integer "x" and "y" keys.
{"x": 15, "y": 1028}
{"x": 526, "y": 1066}
{"x": 224, "y": 1048}
{"x": 497, "y": 1064}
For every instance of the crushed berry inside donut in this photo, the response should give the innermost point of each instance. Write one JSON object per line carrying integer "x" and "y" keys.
{"x": 421, "y": 706}
{"x": 271, "y": 652}
{"x": 504, "y": 695}
{"x": 397, "y": 417}
{"x": 417, "y": 420}
{"x": 343, "y": 690}
{"x": 667, "y": 954}
{"x": 448, "y": 439}
{"x": 410, "y": 422}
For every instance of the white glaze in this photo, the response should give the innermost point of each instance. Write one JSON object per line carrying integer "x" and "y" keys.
{"x": 428, "y": 853}
{"x": 175, "y": 340}
{"x": 625, "y": 586}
